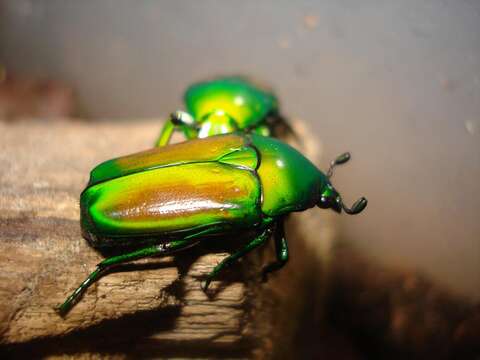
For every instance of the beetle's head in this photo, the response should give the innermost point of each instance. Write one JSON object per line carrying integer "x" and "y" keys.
{"x": 331, "y": 199}
{"x": 217, "y": 122}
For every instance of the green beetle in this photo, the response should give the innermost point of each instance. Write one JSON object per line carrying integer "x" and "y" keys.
{"x": 225, "y": 105}
{"x": 167, "y": 199}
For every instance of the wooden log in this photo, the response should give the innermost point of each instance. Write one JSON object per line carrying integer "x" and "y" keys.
{"x": 151, "y": 308}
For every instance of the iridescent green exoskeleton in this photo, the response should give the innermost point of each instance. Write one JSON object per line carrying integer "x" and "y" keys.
{"x": 225, "y": 105}
{"x": 169, "y": 198}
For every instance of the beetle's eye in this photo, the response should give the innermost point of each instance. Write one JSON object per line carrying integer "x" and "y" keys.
{"x": 323, "y": 203}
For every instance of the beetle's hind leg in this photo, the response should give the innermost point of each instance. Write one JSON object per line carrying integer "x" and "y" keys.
{"x": 281, "y": 249}
{"x": 259, "y": 240}
{"x": 161, "y": 249}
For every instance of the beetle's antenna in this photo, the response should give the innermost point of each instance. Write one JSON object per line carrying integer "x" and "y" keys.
{"x": 357, "y": 207}
{"x": 339, "y": 160}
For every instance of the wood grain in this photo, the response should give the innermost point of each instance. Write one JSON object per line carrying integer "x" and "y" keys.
{"x": 151, "y": 308}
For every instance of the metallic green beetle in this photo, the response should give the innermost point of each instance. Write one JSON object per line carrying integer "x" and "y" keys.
{"x": 167, "y": 199}
{"x": 225, "y": 105}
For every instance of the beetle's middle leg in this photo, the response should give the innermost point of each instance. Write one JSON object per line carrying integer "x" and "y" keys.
{"x": 281, "y": 249}
{"x": 259, "y": 240}
{"x": 161, "y": 249}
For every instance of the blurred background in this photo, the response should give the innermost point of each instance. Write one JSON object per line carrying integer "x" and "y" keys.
{"x": 396, "y": 83}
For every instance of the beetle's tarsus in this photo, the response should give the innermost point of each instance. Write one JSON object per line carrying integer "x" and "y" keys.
{"x": 164, "y": 249}
{"x": 60, "y": 312}
{"x": 264, "y": 276}
{"x": 259, "y": 240}
{"x": 277, "y": 265}
{"x": 205, "y": 284}
{"x": 281, "y": 250}
{"x": 63, "y": 309}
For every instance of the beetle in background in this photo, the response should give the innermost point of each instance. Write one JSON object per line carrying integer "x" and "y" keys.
{"x": 170, "y": 198}
{"x": 225, "y": 105}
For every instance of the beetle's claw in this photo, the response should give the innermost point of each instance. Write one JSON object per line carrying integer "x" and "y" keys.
{"x": 205, "y": 284}
{"x": 60, "y": 311}
{"x": 264, "y": 275}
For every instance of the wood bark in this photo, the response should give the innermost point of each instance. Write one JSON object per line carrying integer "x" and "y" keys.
{"x": 151, "y": 308}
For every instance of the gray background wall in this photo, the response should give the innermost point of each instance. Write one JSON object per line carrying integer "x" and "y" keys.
{"x": 395, "y": 82}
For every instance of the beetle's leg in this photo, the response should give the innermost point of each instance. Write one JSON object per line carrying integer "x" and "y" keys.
{"x": 178, "y": 120}
{"x": 281, "y": 248}
{"x": 161, "y": 249}
{"x": 166, "y": 134}
{"x": 259, "y": 240}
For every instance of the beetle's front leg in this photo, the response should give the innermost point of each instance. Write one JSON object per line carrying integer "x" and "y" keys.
{"x": 177, "y": 120}
{"x": 259, "y": 240}
{"x": 281, "y": 249}
{"x": 161, "y": 249}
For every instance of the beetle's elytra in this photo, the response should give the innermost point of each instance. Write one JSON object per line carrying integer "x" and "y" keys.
{"x": 225, "y": 105}
{"x": 167, "y": 199}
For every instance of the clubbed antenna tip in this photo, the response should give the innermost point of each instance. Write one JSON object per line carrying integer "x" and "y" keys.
{"x": 339, "y": 160}
{"x": 357, "y": 207}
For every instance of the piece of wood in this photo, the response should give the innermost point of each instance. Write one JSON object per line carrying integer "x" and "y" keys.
{"x": 155, "y": 308}
{"x": 152, "y": 308}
